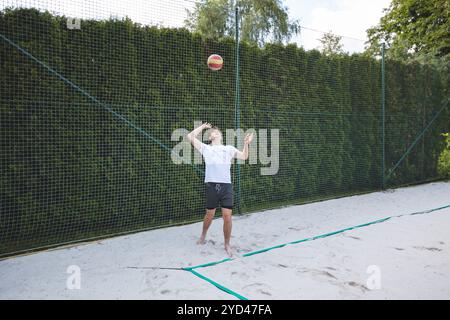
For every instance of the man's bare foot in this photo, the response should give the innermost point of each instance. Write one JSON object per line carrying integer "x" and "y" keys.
{"x": 228, "y": 250}
{"x": 201, "y": 240}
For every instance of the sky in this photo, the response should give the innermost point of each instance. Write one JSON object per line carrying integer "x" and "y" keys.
{"x": 349, "y": 18}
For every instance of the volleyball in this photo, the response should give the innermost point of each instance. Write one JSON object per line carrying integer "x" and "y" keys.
{"x": 215, "y": 62}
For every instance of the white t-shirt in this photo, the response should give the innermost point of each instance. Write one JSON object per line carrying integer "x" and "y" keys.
{"x": 218, "y": 162}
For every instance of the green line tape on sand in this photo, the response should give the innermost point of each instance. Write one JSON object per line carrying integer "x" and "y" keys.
{"x": 315, "y": 237}
{"x": 237, "y": 295}
{"x": 219, "y": 286}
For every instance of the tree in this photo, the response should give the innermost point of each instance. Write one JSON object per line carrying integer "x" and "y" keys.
{"x": 444, "y": 158}
{"x": 413, "y": 30}
{"x": 260, "y": 20}
{"x": 331, "y": 44}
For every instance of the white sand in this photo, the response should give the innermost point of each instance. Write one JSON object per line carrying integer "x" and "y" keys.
{"x": 412, "y": 254}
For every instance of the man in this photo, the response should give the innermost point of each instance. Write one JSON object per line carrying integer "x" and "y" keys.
{"x": 219, "y": 190}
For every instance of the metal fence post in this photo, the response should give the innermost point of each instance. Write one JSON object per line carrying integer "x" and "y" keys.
{"x": 237, "y": 113}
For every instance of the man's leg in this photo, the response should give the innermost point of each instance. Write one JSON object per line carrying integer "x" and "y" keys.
{"x": 227, "y": 224}
{"x": 206, "y": 223}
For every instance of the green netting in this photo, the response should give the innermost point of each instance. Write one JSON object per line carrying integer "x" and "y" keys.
{"x": 87, "y": 116}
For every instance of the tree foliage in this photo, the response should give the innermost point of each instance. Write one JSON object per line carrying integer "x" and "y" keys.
{"x": 331, "y": 44}
{"x": 414, "y": 30}
{"x": 444, "y": 158}
{"x": 261, "y": 21}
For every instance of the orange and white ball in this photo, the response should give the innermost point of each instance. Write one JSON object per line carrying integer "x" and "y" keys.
{"x": 215, "y": 62}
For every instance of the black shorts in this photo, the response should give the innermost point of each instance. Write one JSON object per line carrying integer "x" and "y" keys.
{"x": 219, "y": 194}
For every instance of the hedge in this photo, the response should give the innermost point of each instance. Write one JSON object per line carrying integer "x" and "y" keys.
{"x": 71, "y": 170}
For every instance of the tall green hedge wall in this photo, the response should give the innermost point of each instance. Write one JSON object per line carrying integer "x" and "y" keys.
{"x": 71, "y": 170}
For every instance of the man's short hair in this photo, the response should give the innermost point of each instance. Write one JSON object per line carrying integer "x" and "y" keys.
{"x": 214, "y": 128}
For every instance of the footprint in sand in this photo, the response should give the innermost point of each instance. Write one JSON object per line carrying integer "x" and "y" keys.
{"x": 206, "y": 253}
{"x": 258, "y": 284}
{"x": 264, "y": 292}
{"x": 353, "y": 284}
{"x": 315, "y": 272}
{"x": 253, "y": 284}
{"x": 352, "y": 237}
{"x": 244, "y": 276}
{"x": 153, "y": 281}
{"x": 157, "y": 277}
{"x": 428, "y": 248}
{"x": 328, "y": 274}
{"x": 242, "y": 250}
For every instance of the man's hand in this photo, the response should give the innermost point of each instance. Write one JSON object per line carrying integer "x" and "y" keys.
{"x": 243, "y": 155}
{"x": 194, "y": 133}
{"x": 206, "y": 125}
{"x": 248, "y": 138}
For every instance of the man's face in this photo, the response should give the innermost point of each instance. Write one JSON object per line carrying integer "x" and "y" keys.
{"x": 215, "y": 135}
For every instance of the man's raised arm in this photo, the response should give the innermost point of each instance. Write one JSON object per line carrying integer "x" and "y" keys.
{"x": 194, "y": 133}
{"x": 243, "y": 155}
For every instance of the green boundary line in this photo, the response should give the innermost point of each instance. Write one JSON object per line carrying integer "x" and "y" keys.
{"x": 314, "y": 237}
{"x": 217, "y": 285}
{"x": 191, "y": 269}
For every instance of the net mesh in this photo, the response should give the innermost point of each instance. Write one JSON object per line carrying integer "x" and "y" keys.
{"x": 89, "y": 108}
